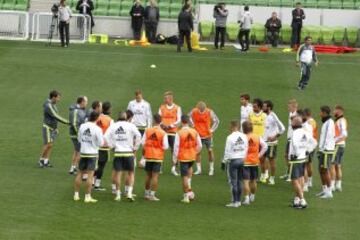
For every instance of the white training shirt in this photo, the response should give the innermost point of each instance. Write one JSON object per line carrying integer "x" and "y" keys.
{"x": 273, "y": 127}
{"x": 246, "y": 20}
{"x": 165, "y": 141}
{"x": 123, "y": 136}
{"x": 64, "y": 13}
{"x": 179, "y": 113}
{"x": 90, "y": 137}
{"x": 177, "y": 144}
{"x": 236, "y": 146}
{"x": 327, "y": 136}
{"x": 245, "y": 112}
{"x": 341, "y": 123}
{"x": 142, "y": 113}
{"x": 301, "y": 142}
{"x": 290, "y": 130}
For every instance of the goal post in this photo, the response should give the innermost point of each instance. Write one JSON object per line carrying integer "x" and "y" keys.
{"x": 14, "y": 25}
{"x": 41, "y": 24}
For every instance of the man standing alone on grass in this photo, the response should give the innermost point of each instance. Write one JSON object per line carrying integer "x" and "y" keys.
{"x": 77, "y": 116}
{"x": 187, "y": 146}
{"x": 49, "y": 129}
{"x": 305, "y": 56}
{"x": 220, "y": 15}
{"x": 236, "y": 149}
{"x": 90, "y": 138}
{"x": 185, "y": 25}
{"x": 326, "y": 151}
{"x": 246, "y": 20}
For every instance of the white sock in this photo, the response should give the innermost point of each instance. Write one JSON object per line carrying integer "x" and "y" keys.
{"x": 87, "y": 196}
{"x": 338, "y": 184}
{"x": 46, "y": 161}
{"x": 332, "y": 183}
{"x": 130, "y": 190}
{"x": 147, "y": 193}
{"x": 247, "y": 198}
{"x": 118, "y": 193}
{"x": 186, "y": 195}
{"x": 189, "y": 182}
{"x": 113, "y": 186}
{"x": 198, "y": 167}
{"x": 76, "y": 194}
{"x": 252, "y": 196}
{"x": 272, "y": 178}
{"x": 310, "y": 180}
{"x": 97, "y": 182}
{"x": 324, "y": 187}
{"x": 261, "y": 175}
{"x": 296, "y": 200}
{"x": 211, "y": 166}
{"x": 266, "y": 173}
{"x": 173, "y": 168}
{"x": 126, "y": 189}
{"x": 152, "y": 193}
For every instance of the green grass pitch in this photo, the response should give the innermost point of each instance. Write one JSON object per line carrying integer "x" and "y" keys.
{"x": 37, "y": 203}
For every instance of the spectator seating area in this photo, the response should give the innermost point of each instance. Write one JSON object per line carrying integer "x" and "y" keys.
{"x": 168, "y": 8}
{"x": 333, "y": 4}
{"x": 18, "y": 5}
{"x": 320, "y": 34}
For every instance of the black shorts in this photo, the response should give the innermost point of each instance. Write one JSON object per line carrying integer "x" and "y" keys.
{"x": 125, "y": 163}
{"x": 185, "y": 167}
{"x": 87, "y": 164}
{"x": 311, "y": 157}
{"x": 153, "y": 167}
{"x": 339, "y": 155}
{"x": 296, "y": 170}
{"x": 250, "y": 173}
{"x": 271, "y": 152}
{"x": 325, "y": 159}
{"x": 104, "y": 155}
{"x": 171, "y": 141}
{"x": 208, "y": 142}
{"x": 76, "y": 144}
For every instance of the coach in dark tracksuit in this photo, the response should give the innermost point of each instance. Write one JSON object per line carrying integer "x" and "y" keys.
{"x": 137, "y": 17}
{"x": 298, "y": 15}
{"x": 186, "y": 25}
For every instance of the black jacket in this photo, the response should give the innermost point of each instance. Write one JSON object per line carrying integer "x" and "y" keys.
{"x": 297, "y": 17}
{"x": 147, "y": 11}
{"x": 185, "y": 21}
{"x": 273, "y": 25}
{"x": 88, "y": 9}
{"x": 137, "y": 15}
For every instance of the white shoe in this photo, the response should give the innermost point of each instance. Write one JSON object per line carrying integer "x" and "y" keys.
{"x": 285, "y": 176}
{"x": 320, "y": 194}
{"x": 153, "y": 198}
{"x": 211, "y": 172}
{"x": 232, "y": 205}
{"x": 326, "y": 195}
{"x": 288, "y": 179}
{"x": 197, "y": 172}
{"x": 90, "y": 200}
{"x": 173, "y": 172}
{"x": 339, "y": 189}
{"x": 306, "y": 188}
{"x": 118, "y": 198}
{"x": 246, "y": 201}
{"x": 271, "y": 181}
{"x": 76, "y": 198}
{"x": 252, "y": 198}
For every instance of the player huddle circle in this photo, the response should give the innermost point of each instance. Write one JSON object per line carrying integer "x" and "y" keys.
{"x": 251, "y": 144}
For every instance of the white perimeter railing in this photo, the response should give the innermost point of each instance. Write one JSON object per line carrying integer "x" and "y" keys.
{"x": 14, "y": 25}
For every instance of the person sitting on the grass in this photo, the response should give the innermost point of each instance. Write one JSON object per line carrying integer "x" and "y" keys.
{"x": 273, "y": 26}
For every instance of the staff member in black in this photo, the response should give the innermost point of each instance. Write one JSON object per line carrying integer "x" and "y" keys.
{"x": 298, "y": 15}
{"x": 273, "y": 26}
{"x": 64, "y": 18}
{"x": 137, "y": 18}
{"x": 85, "y": 7}
{"x": 186, "y": 25}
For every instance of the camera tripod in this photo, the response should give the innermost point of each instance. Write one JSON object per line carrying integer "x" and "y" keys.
{"x": 53, "y": 26}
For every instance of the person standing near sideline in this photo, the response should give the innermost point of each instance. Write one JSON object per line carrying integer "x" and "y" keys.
{"x": 246, "y": 20}
{"x": 220, "y": 15}
{"x": 273, "y": 26}
{"x": 298, "y": 15}
{"x": 151, "y": 19}
{"x": 305, "y": 57}
{"x": 64, "y": 23}
{"x": 77, "y": 116}
{"x": 185, "y": 25}
{"x": 91, "y": 138}
{"x": 236, "y": 149}
{"x": 137, "y": 17}
{"x": 187, "y": 146}
{"x": 49, "y": 129}
{"x": 85, "y": 7}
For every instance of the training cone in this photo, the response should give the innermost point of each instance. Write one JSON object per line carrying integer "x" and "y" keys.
{"x": 143, "y": 42}
{"x": 263, "y": 49}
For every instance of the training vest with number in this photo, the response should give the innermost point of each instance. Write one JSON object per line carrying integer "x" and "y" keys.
{"x": 258, "y": 122}
{"x": 169, "y": 116}
{"x": 253, "y": 150}
{"x": 202, "y": 122}
{"x": 187, "y": 145}
{"x": 153, "y": 147}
